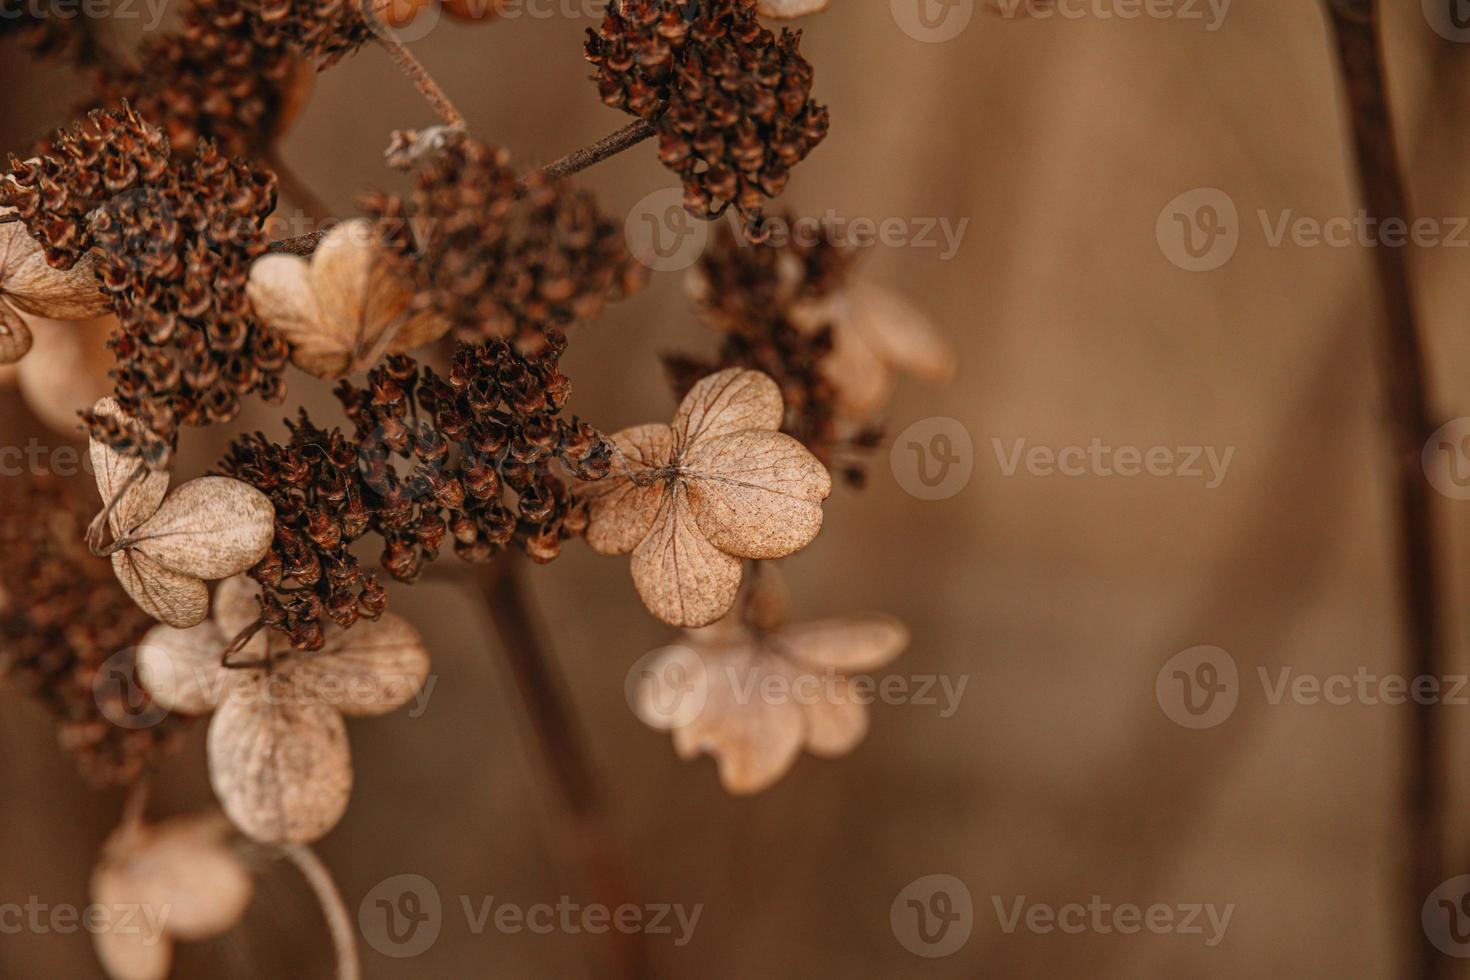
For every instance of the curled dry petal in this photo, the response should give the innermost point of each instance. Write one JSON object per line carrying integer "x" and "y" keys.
{"x": 180, "y": 669}
{"x": 209, "y": 528}
{"x": 369, "y": 670}
{"x": 167, "y": 596}
{"x": 145, "y": 488}
{"x": 342, "y": 308}
{"x": 15, "y": 336}
{"x": 280, "y": 767}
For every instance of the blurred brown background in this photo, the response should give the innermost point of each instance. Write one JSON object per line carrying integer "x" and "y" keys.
{"x": 1057, "y": 598}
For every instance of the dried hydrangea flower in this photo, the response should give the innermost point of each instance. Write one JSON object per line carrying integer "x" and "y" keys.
{"x": 66, "y": 629}
{"x": 498, "y": 257}
{"x": 730, "y": 100}
{"x": 278, "y": 754}
{"x": 175, "y": 880}
{"x": 30, "y": 285}
{"x": 167, "y": 545}
{"x": 760, "y": 690}
{"x": 344, "y": 307}
{"x": 689, "y": 501}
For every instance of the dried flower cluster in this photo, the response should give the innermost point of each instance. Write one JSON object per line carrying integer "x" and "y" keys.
{"x": 52, "y": 29}
{"x": 499, "y": 257}
{"x": 731, "y": 100}
{"x": 490, "y": 429}
{"x": 173, "y": 248}
{"x": 67, "y": 630}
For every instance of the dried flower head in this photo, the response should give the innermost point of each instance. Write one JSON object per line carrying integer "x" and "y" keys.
{"x": 167, "y": 545}
{"x": 752, "y": 691}
{"x": 178, "y": 879}
{"x": 731, "y": 100}
{"x": 30, "y": 285}
{"x": 344, "y": 307}
{"x": 498, "y": 257}
{"x": 690, "y": 501}
{"x": 67, "y": 632}
{"x": 278, "y": 754}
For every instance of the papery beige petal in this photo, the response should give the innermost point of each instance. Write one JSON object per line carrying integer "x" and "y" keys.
{"x": 33, "y": 286}
{"x": 236, "y": 605}
{"x": 169, "y": 597}
{"x": 15, "y": 335}
{"x": 733, "y": 400}
{"x": 848, "y": 645}
{"x": 369, "y": 670}
{"x": 898, "y": 333}
{"x": 682, "y": 578}
{"x": 280, "y": 767}
{"x": 786, "y": 9}
{"x": 620, "y": 512}
{"x": 672, "y": 688}
{"x": 130, "y": 944}
{"x": 753, "y": 732}
{"x": 756, "y": 494}
{"x": 189, "y": 880}
{"x": 66, "y": 370}
{"x": 114, "y": 471}
{"x": 283, "y": 296}
{"x": 417, "y": 330}
{"x": 342, "y": 275}
{"x": 180, "y": 669}
{"x": 835, "y": 721}
{"x": 862, "y": 381}
{"x": 211, "y": 528}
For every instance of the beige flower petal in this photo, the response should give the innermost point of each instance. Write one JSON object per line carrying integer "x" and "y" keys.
{"x": 756, "y": 494}
{"x": 113, "y": 471}
{"x": 754, "y": 738}
{"x": 862, "y": 381}
{"x": 729, "y": 401}
{"x": 281, "y": 768}
{"x": 369, "y": 670}
{"x": 682, "y": 578}
{"x": 211, "y": 528}
{"x": 898, "y": 333}
{"x": 835, "y": 722}
{"x": 236, "y": 605}
{"x": 786, "y": 9}
{"x": 187, "y": 879}
{"x": 181, "y": 669}
{"x": 33, "y": 286}
{"x": 281, "y": 292}
{"x": 130, "y": 945}
{"x": 66, "y": 370}
{"x": 15, "y": 335}
{"x": 178, "y": 600}
{"x": 848, "y": 645}
{"x": 620, "y": 512}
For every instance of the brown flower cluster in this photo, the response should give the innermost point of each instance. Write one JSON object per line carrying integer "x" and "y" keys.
{"x": 67, "y": 630}
{"x": 730, "y": 99}
{"x": 769, "y": 305}
{"x": 52, "y": 29}
{"x": 490, "y": 426}
{"x": 174, "y": 246}
{"x": 500, "y": 257}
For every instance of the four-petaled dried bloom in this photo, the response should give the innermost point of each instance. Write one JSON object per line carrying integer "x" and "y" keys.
{"x": 67, "y": 633}
{"x": 167, "y": 545}
{"x": 499, "y": 258}
{"x": 175, "y": 880}
{"x": 344, "y": 307}
{"x": 30, "y": 285}
{"x": 279, "y": 759}
{"x": 752, "y": 691}
{"x": 731, "y": 100}
{"x": 690, "y": 501}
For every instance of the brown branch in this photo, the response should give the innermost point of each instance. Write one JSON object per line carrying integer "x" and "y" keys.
{"x": 564, "y": 751}
{"x": 575, "y": 162}
{"x": 422, "y": 80}
{"x": 1401, "y": 357}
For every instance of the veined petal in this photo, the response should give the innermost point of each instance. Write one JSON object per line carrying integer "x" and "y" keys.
{"x": 682, "y": 578}
{"x": 620, "y": 511}
{"x": 756, "y": 494}
{"x": 114, "y": 471}
{"x": 369, "y": 670}
{"x": 211, "y": 528}
{"x": 169, "y": 597}
{"x": 729, "y": 401}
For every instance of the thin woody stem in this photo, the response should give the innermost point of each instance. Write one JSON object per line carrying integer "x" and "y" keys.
{"x": 1401, "y": 359}
{"x": 563, "y": 747}
{"x": 422, "y": 80}
{"x": 339, "y": 922}
{"x": 574, "y": 162}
